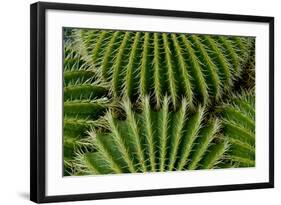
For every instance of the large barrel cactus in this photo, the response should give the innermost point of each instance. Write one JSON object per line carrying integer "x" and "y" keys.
{"x": 151, "y": 141}
{"x": 197, "y": 67}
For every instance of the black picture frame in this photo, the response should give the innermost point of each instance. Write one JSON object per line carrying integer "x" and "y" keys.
{"x": 38, "y": 100}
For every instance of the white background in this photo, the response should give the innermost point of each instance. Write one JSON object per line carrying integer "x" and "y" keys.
{"x": 14, "y": 108}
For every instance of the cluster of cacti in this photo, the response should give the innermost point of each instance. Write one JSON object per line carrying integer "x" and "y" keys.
{"x": 145, "y": 102}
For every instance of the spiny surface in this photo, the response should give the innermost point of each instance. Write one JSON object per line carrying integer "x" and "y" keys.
{"x": 197, "y": 67}
{"x": 154, "y": 141}
{"x": 85, "y": 100}
{"x": 238, "y": 125}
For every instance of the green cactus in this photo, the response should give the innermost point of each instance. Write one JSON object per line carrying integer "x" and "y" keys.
{"x": 151, "y": 141}
{"x": 198, "y": 67}
{"x": 85, "y": 99}
{"x": 238, "y": 124}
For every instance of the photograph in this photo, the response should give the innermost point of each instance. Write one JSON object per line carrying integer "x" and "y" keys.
{"x": 133, "y": 102}
{"x": 142, "y": 101}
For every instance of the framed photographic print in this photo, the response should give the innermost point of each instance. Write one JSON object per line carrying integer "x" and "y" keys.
{"x": 129, "y": 102}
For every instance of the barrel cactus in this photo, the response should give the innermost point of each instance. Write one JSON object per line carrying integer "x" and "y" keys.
{"x": 85, "y": 99}
{"x": 197, "y": 67}
{"x": 238, "y": 125}
{"x": 154, "y": 102}
{"x": 151, "y": 141}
